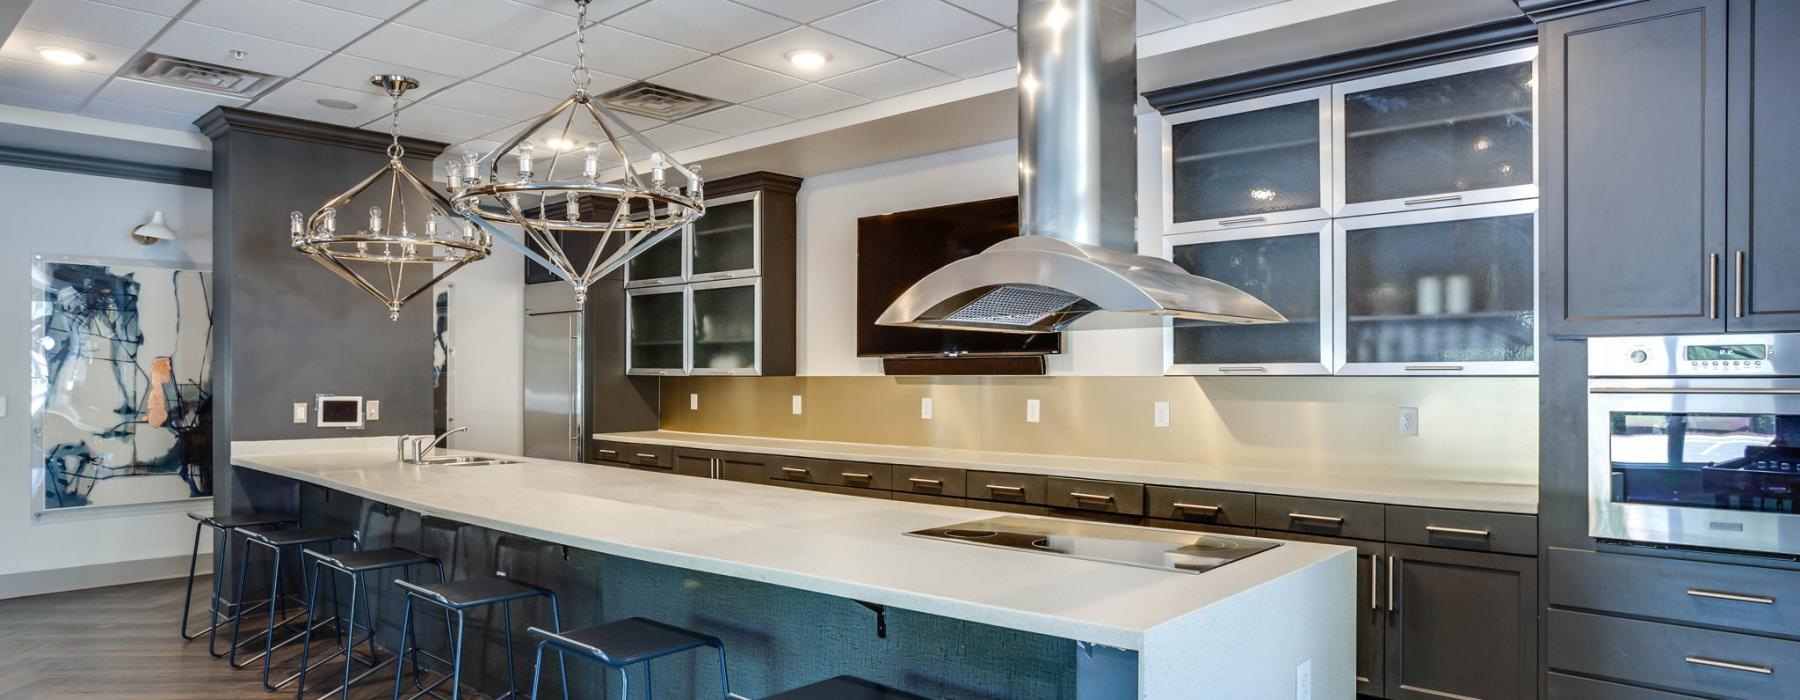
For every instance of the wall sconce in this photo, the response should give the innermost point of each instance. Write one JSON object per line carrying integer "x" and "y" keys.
{"x": 153, "y": 231}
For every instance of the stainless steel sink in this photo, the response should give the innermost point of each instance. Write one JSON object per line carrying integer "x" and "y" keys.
{"x": 463, "y": 461}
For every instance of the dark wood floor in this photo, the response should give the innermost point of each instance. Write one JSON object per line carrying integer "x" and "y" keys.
{"x": 122, "y": 642}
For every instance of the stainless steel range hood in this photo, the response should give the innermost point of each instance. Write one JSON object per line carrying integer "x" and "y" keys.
{"x": 1077, "y": 251}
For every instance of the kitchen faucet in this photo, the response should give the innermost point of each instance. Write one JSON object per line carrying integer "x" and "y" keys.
{"x": 420, "y": 448}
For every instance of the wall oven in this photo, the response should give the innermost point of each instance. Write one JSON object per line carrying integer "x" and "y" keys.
{"x": 1695, "y": 441}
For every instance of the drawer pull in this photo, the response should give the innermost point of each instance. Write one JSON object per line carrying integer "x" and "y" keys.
{"x": 795, "y": 470}
{"x": 1242, "y": 220}
{"x": 1433, "y": 200}
{"x": 646, "y": 455}
{"x": 1324, "y": 519}
{"x": 1101, "y": 497}
{"x": 856, "y": 475}
{"x": 1390, "y": 582}
{"x": 1020, "y": 490}
{"x": 1440, "y": 530}
{"x": 1246, "y": 368}
{"x": 1374, "y": 581}
{"x": 1730, "y": 665}
{"x": 1434, "y": 368}
{"x": 614, "y": 453}
{"x": 934, "y": 483}
{"x": 1735, "y": 597}
{"x": 1200, "y": 508}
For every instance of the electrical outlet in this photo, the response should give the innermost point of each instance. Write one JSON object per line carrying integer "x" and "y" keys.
{"x": 1031, "y": 410}
{"x": 1303, "y": 680}
{"x": 796, "y": 404}
{"x": 1408, "y": 421}
{"x": 693, "y": 402}
{"x": 300, "y": 412}
{"x": 373, "y": 409}
{"x": 1162, "y": 414}
{"x": 925, "y": 408}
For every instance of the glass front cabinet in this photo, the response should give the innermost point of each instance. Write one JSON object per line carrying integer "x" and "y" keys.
{"x": 699, "y": 302}
{"x": 1391, "y": 218}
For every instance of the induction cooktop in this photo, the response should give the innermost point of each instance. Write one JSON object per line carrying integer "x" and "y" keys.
{"x": 1168, "y": 550}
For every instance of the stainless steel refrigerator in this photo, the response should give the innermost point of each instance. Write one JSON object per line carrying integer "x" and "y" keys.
{"x": 553, "y": 372}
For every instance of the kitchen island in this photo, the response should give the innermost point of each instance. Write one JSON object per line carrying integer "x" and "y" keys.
{"x": 1256, "y": 628}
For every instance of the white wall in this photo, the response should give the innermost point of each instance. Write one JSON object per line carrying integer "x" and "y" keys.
{"x": 831, "y": 203}
{"x": 487, "y": 342}
{"x": 60, "y": 214}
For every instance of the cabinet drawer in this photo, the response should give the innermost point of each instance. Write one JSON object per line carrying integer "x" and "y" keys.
{"x": 801, "y": 469}
{"x": 1199, "y": 527}
{"x": 862, "y": 475}
{"x": 662, "y": 456}
{"x": 1566, "y": 687}
{"x": 1318, "y": 516}
{"x": 939, "y": 481}
{"x": 1463, "y": 529}
{"x": 930, "y": 499}
{"x": 1748, "y": 598}
{"x": 1097, "y": 496}
{"x": 742, "y": 467}
{"x": 1006, "y": 488}
{"x": 828, "y": 488}
{"x": 1670, "y": 656}
{"x": 1201, "y": 506}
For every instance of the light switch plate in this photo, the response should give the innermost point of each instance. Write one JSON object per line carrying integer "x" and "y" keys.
{"x": 1408, "y": 421}
{"x": 1161, "y": 414}
{"x": 693, "y": 402}
{"x": 299, "y": 411}
{"x": 373, "y": 409}
{"x": 1031, "y": 410}
{"x": 925, "y": 408}
{"x": 796, "y": 404}
{"x": 2, "y": 407}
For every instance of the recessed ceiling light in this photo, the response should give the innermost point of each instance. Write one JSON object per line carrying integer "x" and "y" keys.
{"x": 557, "y": 144}
{"x": 335, "y": 103}
{"x": 808, "y": 59}
{"x": 64, "y": 57}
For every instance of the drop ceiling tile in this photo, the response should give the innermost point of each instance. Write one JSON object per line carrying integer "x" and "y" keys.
{"x": 37, "y": 76}
{"x": 597, "y": 10}
{"x": 24, "y": 43}
{"x": 34, "y": 99}
{"x": 379, "y": 9}
{"x": 771, "y": 53}
{"x": 137, "y": 114}
{"x": 622, "y": 53}
{"x": 93, "y": 21}
{"x": 353, "y": 72}
{"x": 978, "y": 56}
{"x": 896, "y": 77}
{"x": 808, "y": 101}
{"x": 1152, "y": 19}
{"x": 1201, "y": 10}
{"x": 725, "y": 79}
{"x": 545, "y": 77}
{"x": 491, "y": 100}
{"x": 214, "y": 45}
{"x": 1003, "y": 11}
{"x": 399, "y": 44}
{"x": 735, "y": 120}
{"x": 906, "y": 27}
{"x": 291, "y": 21}
{"x": 167, "y": 98}
{"x": 420, "y": 115}
{"x": 299, "y": 98}
{"x": 707, "y": 25}
{"x": 381, "y": 125}
{"x": 508, "y": 25}
{"x": 166, "y": 8}
{"x": 803, "y": 10}
{"x": 676, "y": 137}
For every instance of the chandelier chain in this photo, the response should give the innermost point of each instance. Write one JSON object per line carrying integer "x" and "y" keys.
{"x": 394, "y": 149}
{"x": 579, "y": 74}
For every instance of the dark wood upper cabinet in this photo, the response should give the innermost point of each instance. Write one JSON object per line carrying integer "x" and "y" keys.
{"x": 1763, "y": 214}
{"x": 1634, "y": 163}
{"x": 1461, "y": 624}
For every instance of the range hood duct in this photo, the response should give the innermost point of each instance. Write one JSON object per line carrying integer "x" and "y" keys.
{"x": 1077, "y": 251}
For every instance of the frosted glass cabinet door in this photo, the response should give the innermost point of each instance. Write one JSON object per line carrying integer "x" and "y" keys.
{"x": 725, "y": 323}
{"x": 1249, "y": 163}
{"x": 661, "y": 264}
{"x": 1287, "y": 266}
{"x": 1455, "y": 133}
{"x": 656, "y": 328}
{"x": 1446, "y": 291}
{"x": 727, "y": 241}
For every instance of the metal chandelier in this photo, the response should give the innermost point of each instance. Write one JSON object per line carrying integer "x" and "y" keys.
{"x": 566, "y": 196}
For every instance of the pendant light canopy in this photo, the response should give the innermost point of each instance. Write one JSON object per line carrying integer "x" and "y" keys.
{"x": 377, "y": 255}
{"x": 550, "y": 198}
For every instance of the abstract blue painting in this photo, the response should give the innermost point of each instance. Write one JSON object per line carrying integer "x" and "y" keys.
{"x": 121, "y": 383}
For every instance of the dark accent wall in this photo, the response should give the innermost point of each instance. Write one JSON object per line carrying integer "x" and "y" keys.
{"x": 288, "y": 328}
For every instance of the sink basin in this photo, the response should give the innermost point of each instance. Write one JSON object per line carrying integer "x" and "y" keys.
{"x": 463, "y": 461}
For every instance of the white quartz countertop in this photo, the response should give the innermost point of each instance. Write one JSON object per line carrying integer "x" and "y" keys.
{"x": 1404, "y": 491}
{"x": 848, "y": 547}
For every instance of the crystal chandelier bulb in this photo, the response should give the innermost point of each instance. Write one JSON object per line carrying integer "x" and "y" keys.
{"x": 590, "y": 161}
{"x": 296, "y": 226}
{"x": 657, "y": 164}
{"x": 525, "y": 162}
{"x": 375, "y": 220}
{"x": 453, "y": 175}
{"x": 330, "y": 221}
{"x": 571, "y": 206}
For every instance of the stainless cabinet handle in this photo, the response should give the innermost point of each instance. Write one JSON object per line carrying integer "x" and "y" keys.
{"x": 1243, "y": 369}
{"x": 1712, "y": 285}
{"x": 1438, "y": 530}
{"x": 1242, "y": 220}
{"x": 1729, "y": 665}
{"x": 1434, "y": 368}
{"x": 1006, "y": 489}
{"x": 856, "y": 475}
{"x": 1102, "y": 497}
{"x": 1374, "y": 586}
{"x": 1199, "y": 508}
{"x": 614, "y": 453}
{"x": 1738, "y": 283}
{"x": 1734, "y": 597}
{"x": 936, "y": 483}
{"x": 1326, "y": 519}
{"x": 1433, "y": 200}
{"x": 646, "y": 455}
{"x": 794, "y": 470}
{"x": 1390, "y": 582}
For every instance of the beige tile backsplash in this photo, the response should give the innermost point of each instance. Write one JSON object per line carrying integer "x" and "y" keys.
{"x": 1471, "y": 428}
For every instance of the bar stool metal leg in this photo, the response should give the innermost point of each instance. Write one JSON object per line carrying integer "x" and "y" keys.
{"x": 188, "y": 600}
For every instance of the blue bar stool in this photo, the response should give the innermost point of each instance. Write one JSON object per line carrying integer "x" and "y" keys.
{"x": 457, "y": 598}
{"x": 845, "y": 688}
{"x": 356, "y": 565}
{"x": 622, "y": 644}
{"x": 278, "y": 542}
{"x": 222, "y": 526}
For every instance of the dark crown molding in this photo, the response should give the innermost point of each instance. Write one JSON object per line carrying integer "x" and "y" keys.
{"x": 223, "y": 120}
{"x": 1408, "y": 53}
{"x": 1546, "y": 10}
{"x": 104, "y": 167}
{"x": 758, "y": 180}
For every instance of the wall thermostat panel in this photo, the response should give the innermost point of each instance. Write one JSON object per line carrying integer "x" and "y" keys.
{"x": 339, "y": 412}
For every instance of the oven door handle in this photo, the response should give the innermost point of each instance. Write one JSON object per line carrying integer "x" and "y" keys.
{"x": 1692, "y": 390}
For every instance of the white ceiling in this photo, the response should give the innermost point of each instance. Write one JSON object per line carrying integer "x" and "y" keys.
{"x": 486, "y": 67}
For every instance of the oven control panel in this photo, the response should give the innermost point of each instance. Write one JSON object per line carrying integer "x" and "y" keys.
{"x": 1737, "y": 355}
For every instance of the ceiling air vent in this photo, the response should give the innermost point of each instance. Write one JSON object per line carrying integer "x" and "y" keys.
{"x": 197, "y": 75}
{"x": 658, "y": 102}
